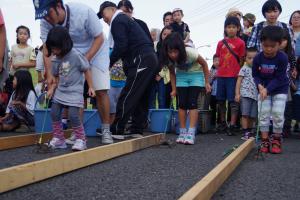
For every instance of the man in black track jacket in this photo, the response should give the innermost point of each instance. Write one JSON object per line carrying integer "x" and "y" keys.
{"x": 132, "y": 45}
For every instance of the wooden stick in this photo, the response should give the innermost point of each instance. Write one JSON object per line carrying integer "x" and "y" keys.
{"x": 17, "y": 176}
{"x": 25, "y": 140}
{"x": 207, "y": 186}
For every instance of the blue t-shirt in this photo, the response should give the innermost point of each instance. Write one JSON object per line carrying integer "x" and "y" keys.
{"x": 271, "y": 72}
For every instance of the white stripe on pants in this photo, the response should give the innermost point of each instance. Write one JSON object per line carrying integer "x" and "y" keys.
{"x": 272, "y": 106}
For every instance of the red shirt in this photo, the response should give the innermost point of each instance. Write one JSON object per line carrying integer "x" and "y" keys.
{"x": 1, "y": 19}
{"x": 229, "y": 66}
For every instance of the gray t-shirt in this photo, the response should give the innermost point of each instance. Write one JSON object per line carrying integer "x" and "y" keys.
{"x": 248, "y": 87}
{"x": 70, "y": 71}
{"x": 84, "y": 27}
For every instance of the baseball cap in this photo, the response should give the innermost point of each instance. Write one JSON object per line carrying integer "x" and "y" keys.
{"x": 234, "y": 11}
{"x": 177, "y": 9}
{"x": 104, "y": 5}
{"x": 42, "y": 8}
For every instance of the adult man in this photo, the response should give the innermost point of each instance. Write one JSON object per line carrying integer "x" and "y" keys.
{"x": 87, "y": 34}
{"x": 168, "y": 18}
{"x": 135, "y": 48}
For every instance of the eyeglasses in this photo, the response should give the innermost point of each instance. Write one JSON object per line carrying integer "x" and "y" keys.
{"x": 296, "y": 17}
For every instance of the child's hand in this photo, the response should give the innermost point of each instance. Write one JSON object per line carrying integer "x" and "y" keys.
{"x": 207, "y": 87}
{"x": 237, "y": 98}
{"x": 263, "y": 94}
{"x": 91, "y": 92}
{"x": 16, "y": 66}
{"x": 294, "y": 73}
{"x": 157, "y": 78}
{"x": 173, "y": 93}
{"x": 50, "y": 92}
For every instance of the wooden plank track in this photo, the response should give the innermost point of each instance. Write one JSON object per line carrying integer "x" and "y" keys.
{"x": 25, "y": 140}
{"x": 21, "y": 175}
{"x": 207, "y": 186}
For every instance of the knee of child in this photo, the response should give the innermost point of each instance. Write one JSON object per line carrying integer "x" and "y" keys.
{"x": 277, "y": 117}
{"x": 234, "y": 106}
{"x": 75, "y": 120}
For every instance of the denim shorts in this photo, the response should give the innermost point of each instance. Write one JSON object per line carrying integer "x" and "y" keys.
{"x": 248, "y": 107}
{"x": 226, "y": 89}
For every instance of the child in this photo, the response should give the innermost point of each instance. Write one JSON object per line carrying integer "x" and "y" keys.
{"x": 213, "y": 84}
{"x": 179, "y": 26}
{"x": 22, "y": 55}
{"x": 286, "y": 46}
{"x": 158, "y": 86}
{"x": 21, "y": 104}
{"x": 246, "y": 94}
{"x": 248, "y": 22}
{"x": 231, "y": 51}
{"x": 269, "y": 73}
{"x": 68, "y": 67}
{"x": 165, "y": 73}
{"x": 117, "y": 82}
{"x": 271, "y": 11}
{"x": 191, "y": 74}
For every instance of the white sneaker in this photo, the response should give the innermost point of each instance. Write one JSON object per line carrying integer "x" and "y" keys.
{"x": 107, "y": 138}
{"x": 79, "y": 145}
{"x": 56, "y": 143}
{"x": 189, "y": 139}
{"x": 71, "y": 140}
{"x": 180, "y": 139}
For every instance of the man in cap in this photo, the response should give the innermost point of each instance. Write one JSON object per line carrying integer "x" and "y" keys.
{"x": 87, "y": 34}
{"x": 132, "y": 45}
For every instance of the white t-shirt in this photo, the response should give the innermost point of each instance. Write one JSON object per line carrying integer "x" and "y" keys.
{"x": 84, "y": 27}
{"x": 39, "y": 66}
{"x": 30, "y": 102}
{"x": 21, "y": 55}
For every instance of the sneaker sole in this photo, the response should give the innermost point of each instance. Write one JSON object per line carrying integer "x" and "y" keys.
{"x": 189, "y": 143}
{"x": 59, "y": 147}
{"x": 77, "y": 149}
{"x": 123, "y": 137}
{"x": 105, "y": 142}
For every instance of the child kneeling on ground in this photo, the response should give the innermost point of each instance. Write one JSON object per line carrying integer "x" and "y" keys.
{"x": 191, "y": 74}
{"x": 68, "y": 67}
{"x": 270, "y": 75}
{"x": 21, "y": 104}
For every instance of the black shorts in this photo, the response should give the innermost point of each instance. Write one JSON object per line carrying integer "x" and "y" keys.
{"x": 187, "y": 97}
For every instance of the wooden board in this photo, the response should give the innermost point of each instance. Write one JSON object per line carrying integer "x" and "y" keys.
{"x": 21, "y": 175}
{"x": 25, "y": 140}
{"x": 207, "y": 186}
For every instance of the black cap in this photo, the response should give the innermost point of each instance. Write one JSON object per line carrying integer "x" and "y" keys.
{"x": 104, "y": 5}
